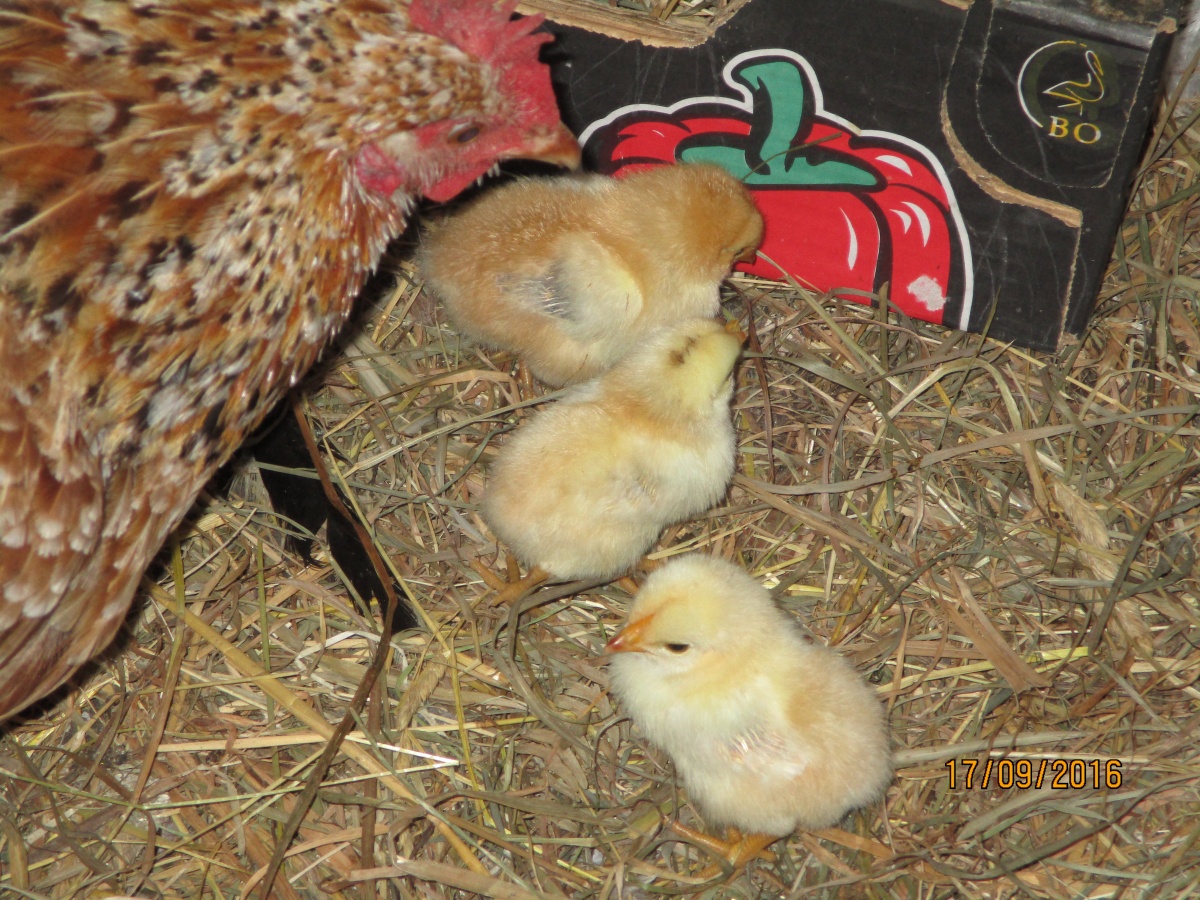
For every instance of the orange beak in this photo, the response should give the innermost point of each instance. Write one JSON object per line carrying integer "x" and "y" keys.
{"x": 748, "y": 255}
{"x": 556, "y": 146}
{"x": 630, "y": 638}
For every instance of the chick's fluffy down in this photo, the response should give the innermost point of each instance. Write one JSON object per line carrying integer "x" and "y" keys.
{"x": 588, "y": 485}
{"x": 571, "y": 272}
{"x": 769, "y": 731}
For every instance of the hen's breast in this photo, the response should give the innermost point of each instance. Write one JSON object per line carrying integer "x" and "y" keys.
{"x": 168, "y": 268}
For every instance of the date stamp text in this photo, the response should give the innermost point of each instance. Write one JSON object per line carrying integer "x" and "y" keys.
{"x": 1059, "y": 774}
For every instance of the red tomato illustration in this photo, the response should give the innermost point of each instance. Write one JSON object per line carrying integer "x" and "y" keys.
{"x": 842, "y": 209}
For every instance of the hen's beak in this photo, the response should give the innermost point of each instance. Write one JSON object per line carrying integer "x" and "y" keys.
{"x": 630, "y": 638}
{"x": 556, "y": 146}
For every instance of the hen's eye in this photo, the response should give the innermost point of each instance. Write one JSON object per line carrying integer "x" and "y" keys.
{"x": 679, "y": 648}
{"x": 464, "y": 134}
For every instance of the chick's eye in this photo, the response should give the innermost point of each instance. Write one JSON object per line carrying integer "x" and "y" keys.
{"x": 464, "y": 134}
{"x": 678, "y": 648}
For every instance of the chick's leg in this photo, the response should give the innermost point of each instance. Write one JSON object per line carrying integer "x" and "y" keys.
{"x": 511, "y": 589}
{"x": 645, "y": 566}
{"x": 525, "y": 381}
{"x": 737, "y": 849}
{"x": 752, "y": 846}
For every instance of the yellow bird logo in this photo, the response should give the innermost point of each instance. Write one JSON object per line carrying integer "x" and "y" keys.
{"x": 1078, "y": 94}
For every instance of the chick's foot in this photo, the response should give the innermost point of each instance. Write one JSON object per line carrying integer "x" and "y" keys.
{"x": 645, "y": 566}
{"x": 514, "y": 587}
{"x": 738, "y": 849}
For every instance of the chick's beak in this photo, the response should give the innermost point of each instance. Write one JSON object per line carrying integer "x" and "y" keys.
{"x": 749, "y": 255}
{"x": 556, "y": 146}
{"x": 630, "y": 638}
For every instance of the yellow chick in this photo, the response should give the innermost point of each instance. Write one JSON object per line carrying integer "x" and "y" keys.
{"x": 570, "y": 272}
{"x": 589, "y": 484}
{"x": 769, "y": 731}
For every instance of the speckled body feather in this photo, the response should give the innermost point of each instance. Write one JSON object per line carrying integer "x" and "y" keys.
{"x": 191, "y": 195}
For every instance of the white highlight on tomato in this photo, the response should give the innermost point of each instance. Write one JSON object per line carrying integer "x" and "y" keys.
{"x": 852, "y": 251}
{"x": 922, "y": 220}
{"x": 895, "y": 162}
{"x": 928, "y": 293}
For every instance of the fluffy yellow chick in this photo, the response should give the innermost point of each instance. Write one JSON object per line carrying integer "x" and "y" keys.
{"x": 588, "y": 485}
{"x": 570, "y": 272}
{"x": 769, "y": 731}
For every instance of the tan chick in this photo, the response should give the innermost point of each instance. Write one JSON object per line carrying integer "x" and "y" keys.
{"x": 570, "y": 272}
{"x": 589, "y": 484}
{"x": 769, "y": 731}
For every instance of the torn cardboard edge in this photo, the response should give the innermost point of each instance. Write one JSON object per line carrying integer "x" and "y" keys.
{"x": 997, "y": 187}
{"x": 627, "y": 25}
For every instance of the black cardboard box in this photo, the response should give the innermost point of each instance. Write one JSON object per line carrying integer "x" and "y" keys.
{"x": 974, "y": 158}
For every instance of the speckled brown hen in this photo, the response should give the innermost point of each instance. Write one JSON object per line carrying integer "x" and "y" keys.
{"x": 191, "y": 195}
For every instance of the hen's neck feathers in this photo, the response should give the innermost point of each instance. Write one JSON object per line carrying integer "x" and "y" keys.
{"x": 176, "y": 174}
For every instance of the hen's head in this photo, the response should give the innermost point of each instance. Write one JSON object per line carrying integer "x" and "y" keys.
{"x": 488, "y": 99}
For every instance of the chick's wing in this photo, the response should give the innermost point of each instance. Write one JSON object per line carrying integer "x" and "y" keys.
{"x": 583, "y": 285}
{"x": 764, "y": 751}
{"x": 598, "y": 284}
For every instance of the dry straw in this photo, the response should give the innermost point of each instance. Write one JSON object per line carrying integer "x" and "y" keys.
{"x": 1003, "y": 542}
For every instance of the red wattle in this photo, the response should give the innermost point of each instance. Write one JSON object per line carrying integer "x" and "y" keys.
{"x": 377, "y": 172}
{"x": 452, "y": 185}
